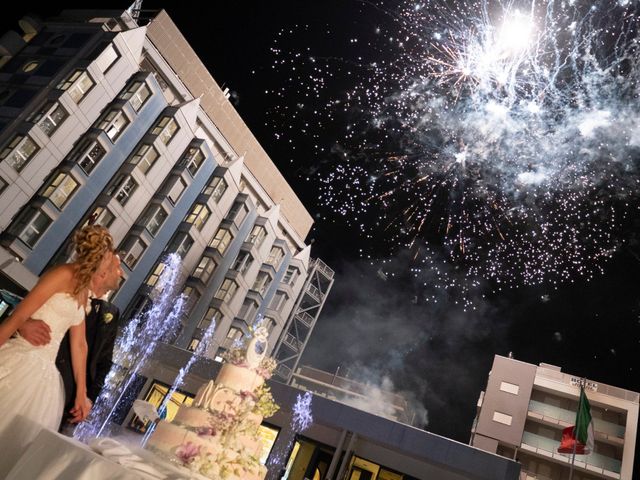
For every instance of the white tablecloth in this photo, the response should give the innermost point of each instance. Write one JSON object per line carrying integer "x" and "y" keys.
{"x": 52, "y": 456}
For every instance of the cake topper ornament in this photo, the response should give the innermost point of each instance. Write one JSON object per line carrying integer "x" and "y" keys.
{"x": 257, "y": 348}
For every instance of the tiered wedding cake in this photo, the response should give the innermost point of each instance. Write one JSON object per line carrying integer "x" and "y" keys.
{"x": 217, "y": 436}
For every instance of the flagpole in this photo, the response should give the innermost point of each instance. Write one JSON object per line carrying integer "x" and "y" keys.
{"x": 583, "y": 381}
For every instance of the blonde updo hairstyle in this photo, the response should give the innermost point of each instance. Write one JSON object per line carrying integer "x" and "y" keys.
{"x": 92, "y": 243}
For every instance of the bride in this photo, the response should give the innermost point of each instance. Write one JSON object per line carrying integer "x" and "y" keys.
{"x": 30, "y": 384}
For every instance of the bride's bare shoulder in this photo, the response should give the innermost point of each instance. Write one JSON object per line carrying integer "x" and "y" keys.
{"x": 61, "y": 273}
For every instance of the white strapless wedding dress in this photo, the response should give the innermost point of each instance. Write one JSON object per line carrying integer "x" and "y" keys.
{"x": 30, "y": 384}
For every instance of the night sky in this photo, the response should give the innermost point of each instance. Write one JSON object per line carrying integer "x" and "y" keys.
{"x": 385, "y": 321}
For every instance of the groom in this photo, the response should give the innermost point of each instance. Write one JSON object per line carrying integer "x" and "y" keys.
{"x": 101, "y": 329}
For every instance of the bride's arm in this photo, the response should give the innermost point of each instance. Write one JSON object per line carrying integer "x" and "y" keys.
{"x": 78, "y": 343}
{"x": 51, "y": 282}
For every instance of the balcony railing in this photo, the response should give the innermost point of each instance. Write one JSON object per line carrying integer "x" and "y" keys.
{"x": 313, "y": 291}
{"x": 551, "y": 445}
{"x": 569, "y": 417}
{"x": 291, "y": 342}
{"x": 322, "y": 267}
{"x": 305, "y": 318}
{"x": 283, "y": 371}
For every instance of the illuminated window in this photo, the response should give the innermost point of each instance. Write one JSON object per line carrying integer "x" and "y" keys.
{"x": 20, "y": 150}
{"x": 509, "y": 387}
{"x": 157, "y": 395}
{"x": 275, "y": 256}
{"x": 502, "y": 418}
{"x": 60, "y": 189}
{"x": 145, "y": 157}
{"x": 166, "y": 129}
{"x": 204, "y": 269}
{"x": 192, "y": 159}
{"x": 257, "y": 235}
{"x": 199, "y": 215}
{"x": 114, "y": 123}
{"x": 49, "y": 117}
{"x": 137, "y": 93}
{"x": 153, "y": 218}
{"x": 30, "y": 66}
{"x": 155, "y": 275}
{"x": 235, "y": 334}
{"x": 78, "y": 84}
{"x": 30, "y": 226}
{"x": 216, "y": 188}
{"x": 123, "y": 188}
{"x": 89, "y": 156}
{"x": 213, "y": 315}
{"x": 268, "y": 436}
{"x": 227, "y": 290}
{"x": 221, "y": 240}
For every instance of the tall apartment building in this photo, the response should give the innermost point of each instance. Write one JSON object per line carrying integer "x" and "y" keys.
{"x": 106, "y": 120}
{"x": 525, "y": 407}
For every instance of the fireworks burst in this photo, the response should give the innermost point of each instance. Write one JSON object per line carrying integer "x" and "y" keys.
{"x": 502, "y": 137}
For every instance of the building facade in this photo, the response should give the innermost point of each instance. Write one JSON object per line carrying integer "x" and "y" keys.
{"x": 525, "y": 407}
{"x": 107, "y": 121}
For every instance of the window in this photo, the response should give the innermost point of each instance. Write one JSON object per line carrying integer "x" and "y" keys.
{"x": 509, "y": 387}
{"x": 198, "y": 216}
{"x": 237, "y": 212}
{"x": 180, "y": 244}
{"x": 216, "y": 188}
{"x": 221, "y": 240}
{"x": 31, "y": 225}
{"x": 279, "y": 301}
{"x": 145, "y": 157}
{"x": 212, "y": 316}
{"x": 123, "y": 188}
{"x": 275, "y": 256}
{"x": 88, "y": 158}
{"x": 157, "y": 396}
{"x": 227, "y": 290}
{"x": 19, "y": 151}
{"x": 153, "y": 218}
{"x": 257, "y": 235}
{"x": 243, "y": 262}
{"x": 3, "y": 184}
{"x": 78, "y": 85}
{"x": 261, "y": 285}
{"x": 137, "y": 93}
{"x": 192, "y": 159}
{"x": 291, "y": 276}
{"x": 248, "y": 311}
{"x": 107, "y": 58}
{"x": 176, "y": 190}
{"x": 235, "y": 334}
{"x": 60, "y": 189}
{"x": 191, "y": 297}
{"x": 101, "y": 216}
{"x": 30, "y": 66}
{"x": 268, "y": 323}
{"x": 113, "y": 124}
{"x": 193, "y": 344}
{"x": 166, "y": 129}
{"x": 132, "y": 249}
{"x": 49, "y": 117}
{"x": 155, "y": 275}
{"x": 502, "y": 418}
{"x": 204, "y": 269}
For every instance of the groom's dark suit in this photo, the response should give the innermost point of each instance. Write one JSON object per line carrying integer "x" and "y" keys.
{"x": 101, "y": 329}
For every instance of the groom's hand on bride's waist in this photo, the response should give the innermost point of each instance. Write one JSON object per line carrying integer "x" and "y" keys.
{"x": 36, "y": 332}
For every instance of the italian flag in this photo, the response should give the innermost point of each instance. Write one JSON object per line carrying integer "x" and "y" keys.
{"x": 580, "y": 436}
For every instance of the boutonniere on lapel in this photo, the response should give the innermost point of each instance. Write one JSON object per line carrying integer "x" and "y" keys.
{"x": 107, "y": 317}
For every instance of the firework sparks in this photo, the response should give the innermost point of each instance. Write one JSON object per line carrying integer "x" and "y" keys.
{"x": 500, "y": 137}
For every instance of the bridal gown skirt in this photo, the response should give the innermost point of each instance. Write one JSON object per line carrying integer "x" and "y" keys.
{"x": 30, "y": 386}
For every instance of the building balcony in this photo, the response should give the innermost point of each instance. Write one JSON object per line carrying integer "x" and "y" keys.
{"x": 567, "y": 418}
{"x": 324, "y": 269}
{"x": 291, "y": 342}
{"x": 314, "y": 292}
{"x": 305, "y": 319}
{"x": 283, "y": 371}
{"x": 548, "y": 448}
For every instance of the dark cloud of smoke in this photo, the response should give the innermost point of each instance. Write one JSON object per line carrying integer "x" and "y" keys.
{"x": 381, "y": 331}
